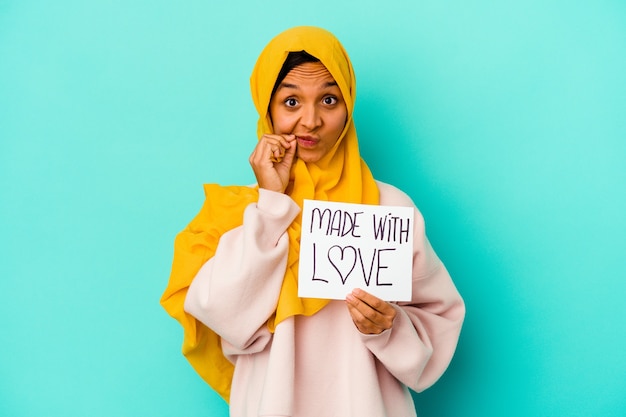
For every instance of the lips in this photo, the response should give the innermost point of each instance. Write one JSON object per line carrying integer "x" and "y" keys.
{"x": 307, "y": 141}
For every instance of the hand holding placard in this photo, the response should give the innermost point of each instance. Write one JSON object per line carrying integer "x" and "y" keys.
{"x": 345, "y": 246}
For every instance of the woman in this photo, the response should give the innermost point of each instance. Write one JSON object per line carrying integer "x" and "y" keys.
{"x": 233, "y": 285}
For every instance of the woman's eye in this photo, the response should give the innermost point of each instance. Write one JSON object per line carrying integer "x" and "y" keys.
{"x": 330, "y": 100}
{"x": 291, "y": 102}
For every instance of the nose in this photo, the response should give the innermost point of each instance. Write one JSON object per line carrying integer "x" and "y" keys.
{"x": 310, "y": 118}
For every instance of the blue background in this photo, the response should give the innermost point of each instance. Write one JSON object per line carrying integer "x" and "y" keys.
{"x": 505, "y": 121}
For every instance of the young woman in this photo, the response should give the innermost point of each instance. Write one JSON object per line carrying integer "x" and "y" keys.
{"x": 233, "y": 285}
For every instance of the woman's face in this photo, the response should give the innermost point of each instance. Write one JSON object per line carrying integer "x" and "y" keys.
{"x": 309, "y": 104}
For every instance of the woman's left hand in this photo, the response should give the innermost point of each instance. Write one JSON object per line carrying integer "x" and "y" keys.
{"x": 370, "y": 314}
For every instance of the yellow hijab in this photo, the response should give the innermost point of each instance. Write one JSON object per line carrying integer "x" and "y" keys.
{"x": 341, "y": 175}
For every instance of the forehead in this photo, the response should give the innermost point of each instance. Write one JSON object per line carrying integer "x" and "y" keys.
{"x": 310, "y": 72}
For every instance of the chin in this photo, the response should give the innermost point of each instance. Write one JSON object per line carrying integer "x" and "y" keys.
{"x": 308, "y": 157}
{"x": 310, "y": 160}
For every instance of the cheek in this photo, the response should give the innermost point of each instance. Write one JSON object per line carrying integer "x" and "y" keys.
{"x": 282, "y": 122}
{"x": 339, "y": 122}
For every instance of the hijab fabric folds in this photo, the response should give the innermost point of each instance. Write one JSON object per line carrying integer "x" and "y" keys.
{"x": 341, "y": 175}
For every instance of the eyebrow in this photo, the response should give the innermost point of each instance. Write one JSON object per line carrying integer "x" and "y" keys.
{"x": 295, "y": 87}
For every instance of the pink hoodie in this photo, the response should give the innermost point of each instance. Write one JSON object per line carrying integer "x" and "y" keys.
{"x": 321, "y": 366}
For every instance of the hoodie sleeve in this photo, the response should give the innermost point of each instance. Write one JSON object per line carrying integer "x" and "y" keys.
{"x": 421, "y": 343}
{"x": 236, "y": 291}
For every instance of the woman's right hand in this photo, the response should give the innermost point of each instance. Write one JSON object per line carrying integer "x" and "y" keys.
{"x": 271, "y": 161}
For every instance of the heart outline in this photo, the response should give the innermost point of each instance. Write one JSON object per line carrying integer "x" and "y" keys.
{"x": 342, "y": 251}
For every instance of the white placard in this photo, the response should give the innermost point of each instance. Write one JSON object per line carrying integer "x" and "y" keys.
{"x": 345, "y": 246}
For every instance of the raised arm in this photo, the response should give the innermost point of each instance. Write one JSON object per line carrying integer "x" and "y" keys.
{"x": 236, "y": 291}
